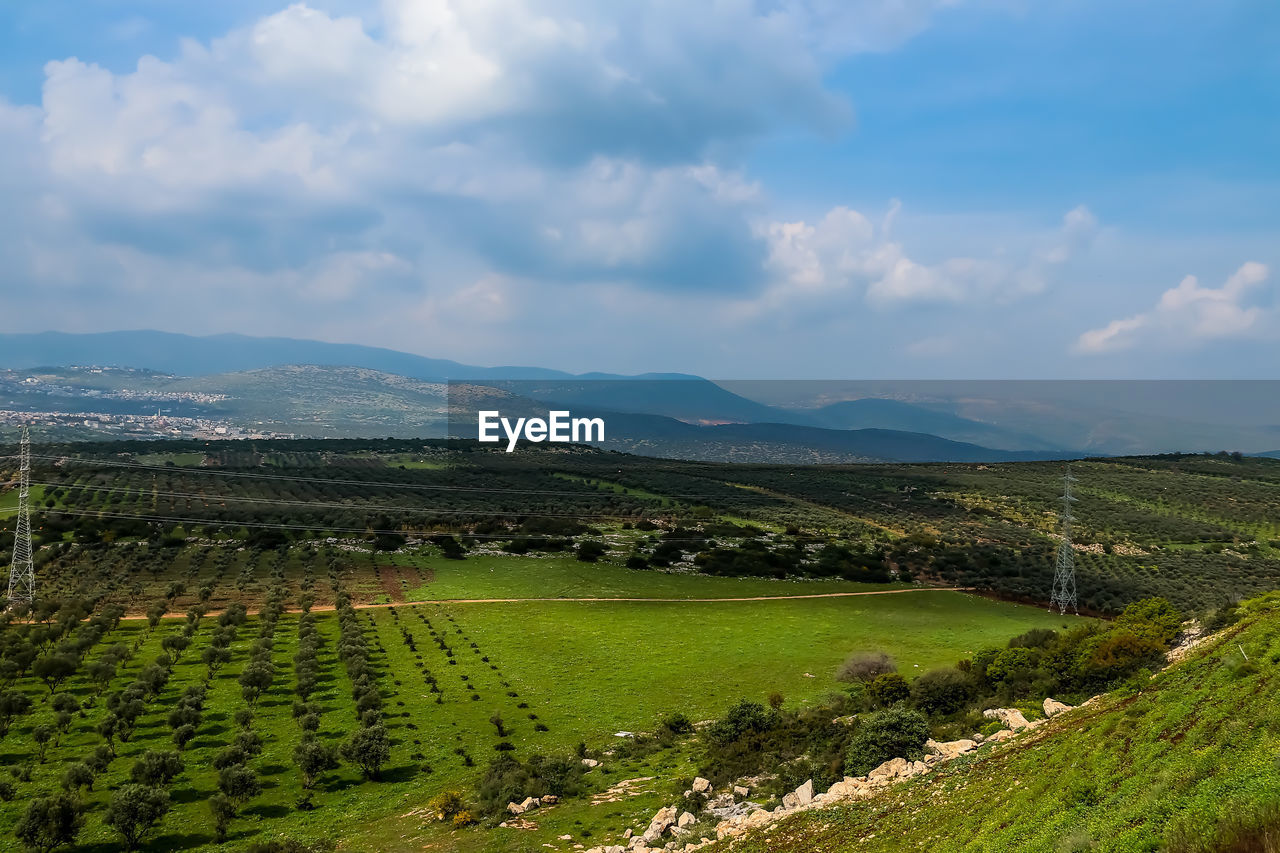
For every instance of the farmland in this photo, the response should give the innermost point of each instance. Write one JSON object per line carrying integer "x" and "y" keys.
{"x": 450, "y": 607}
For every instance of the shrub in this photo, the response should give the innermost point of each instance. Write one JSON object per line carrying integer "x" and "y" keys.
{"x": 865, "y": 666}
{"x": 942, "y": 691}
{"x": 889, "y": 689}
{"x": 882, "y": 735}
{"x": 743, "y": 718}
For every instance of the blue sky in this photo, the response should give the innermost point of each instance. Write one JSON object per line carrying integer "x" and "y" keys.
{"x": 816, "y": 188}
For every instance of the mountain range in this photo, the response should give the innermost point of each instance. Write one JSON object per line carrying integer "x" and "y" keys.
{"x": 315, "y": 388}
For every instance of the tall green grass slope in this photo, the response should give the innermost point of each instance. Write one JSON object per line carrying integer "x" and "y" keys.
{"x": 1185, "y": 762}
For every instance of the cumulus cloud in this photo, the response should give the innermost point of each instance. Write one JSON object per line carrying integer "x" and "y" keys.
{"x": 1188, "y": 315}
{"x": 845, "y": 254}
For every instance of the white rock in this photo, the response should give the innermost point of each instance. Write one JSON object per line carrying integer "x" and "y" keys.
{"x": 1011, "y": 717}
{"x": 1053, "y": 707}
{"x": 702, "y": 786}
{"x": 515, "y": 808}
{"x": 950, "y": 748}
{"x": 739, "y": 791}
{"x": 805, "y": 793}
{"x": 589, "y": 763}
{"x": 685, "y": 819}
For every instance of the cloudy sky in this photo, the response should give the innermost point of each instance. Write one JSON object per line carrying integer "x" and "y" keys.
{"x": 799, "y": 188}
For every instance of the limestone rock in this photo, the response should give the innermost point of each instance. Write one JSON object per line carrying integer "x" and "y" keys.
{"x": 702, "y": 786}
{"x": 685, "y": 819}
{"x": 951, "y": 748}
{"x": 515, "y": 808}
{"x": 739, "y": 791}
{"x": 589, "y": 763}
{"x": 891, "y": 769}
{"x": 1011, "y": 717}
{"x": 1053, "y": 707}
{"x": 661, "y": 821}
{"x": 804, "y": 794}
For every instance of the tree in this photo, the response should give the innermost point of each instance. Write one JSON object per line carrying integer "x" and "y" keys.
{"x": 214, "y": 657}
{"x": 369, "y": 748}
{"x": 50, "y": 822}
{"x": 77, "y": 776}
{"x": 106, "y": 729}
{"x": 156, "y": 767}
{"x": 42, "y": 734}
{"x": 255, "y": 680}
{"x": 313, "y": 758}
{"x": 892, "y": 733}
{"x": 134, "y": 810}
{"x": 175, "y": 644}
{"x": 183, "y": 735}
{"x": 12, "y": 705}
{"x": 221, "y": 810}
{"x": 53, "y": 669}
{"x": 238, "y": 783}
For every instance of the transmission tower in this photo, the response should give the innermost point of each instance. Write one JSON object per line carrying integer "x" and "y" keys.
{"x": 1064, "y": 573}
{"x": 22, "y": 572}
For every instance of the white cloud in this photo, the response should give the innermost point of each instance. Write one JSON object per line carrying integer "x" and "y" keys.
{"x": 844, "y": 254}
{"x": 1187, "y": 315}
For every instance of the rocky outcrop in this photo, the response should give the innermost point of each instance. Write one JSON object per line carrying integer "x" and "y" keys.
{"x": 950, "y": 749}
{"x": 1011, "y": 717}
{"x": 669, "y": 831}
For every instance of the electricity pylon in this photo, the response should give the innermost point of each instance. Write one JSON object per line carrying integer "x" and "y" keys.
{"x": 22, "y": 571}
{"x": 1064, "y": 573}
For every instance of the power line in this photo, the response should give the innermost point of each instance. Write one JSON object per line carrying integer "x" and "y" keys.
{"x": 22, "y": 572}
{"x": 1064, "y": 574}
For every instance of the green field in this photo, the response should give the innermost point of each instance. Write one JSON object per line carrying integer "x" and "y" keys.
{"x": 586, "y": 670}
{"x": 505, "y": 576}
{"x": 1187, "y": 763}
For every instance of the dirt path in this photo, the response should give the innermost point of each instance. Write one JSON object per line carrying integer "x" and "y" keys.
{"x": 324, "y": 608}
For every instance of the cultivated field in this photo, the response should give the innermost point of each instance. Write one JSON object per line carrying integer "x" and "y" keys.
{"x": 467, "y": 606}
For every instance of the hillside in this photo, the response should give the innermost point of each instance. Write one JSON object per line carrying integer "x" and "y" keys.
{"x": 1183, "y": 762}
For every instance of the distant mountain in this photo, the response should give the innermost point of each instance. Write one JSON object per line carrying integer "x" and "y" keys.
{"x": 881, "y": 413}
{"x": 188, "y": 355}
{"x": 686, "y": 398}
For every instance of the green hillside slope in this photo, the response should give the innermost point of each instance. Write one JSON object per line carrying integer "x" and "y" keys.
{"x": 1188, "y": 763}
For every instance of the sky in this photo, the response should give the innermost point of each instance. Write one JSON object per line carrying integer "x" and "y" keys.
{"x": 737, "y": 189}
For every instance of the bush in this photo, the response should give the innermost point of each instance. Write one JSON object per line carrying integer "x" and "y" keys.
{"x": 865, "y": 666}
{"x": 743, "y": 718}
{"x": 509, "y": 780}
{"x": 889, "y": 689}
{"x": 882, "y": 735}
{"x": 940, "y": 692}
{"x": 677, "y": 724}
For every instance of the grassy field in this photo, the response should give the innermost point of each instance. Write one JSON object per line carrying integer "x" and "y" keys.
{"x": 585, "y": 671}
{"x": 1187, "y": 763}
{"x": 505, "y": 576}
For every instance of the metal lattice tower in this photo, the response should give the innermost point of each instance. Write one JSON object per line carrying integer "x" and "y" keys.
{"x": 1064, "y": 573}
{"x": 22, "y": 571}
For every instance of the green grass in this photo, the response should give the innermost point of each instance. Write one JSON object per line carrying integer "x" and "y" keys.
{"x": 505, "y": 576}
{"x": 586, "y": 670}
{"x": 1179, "y": 767}
{"x": 9, "y": 501}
